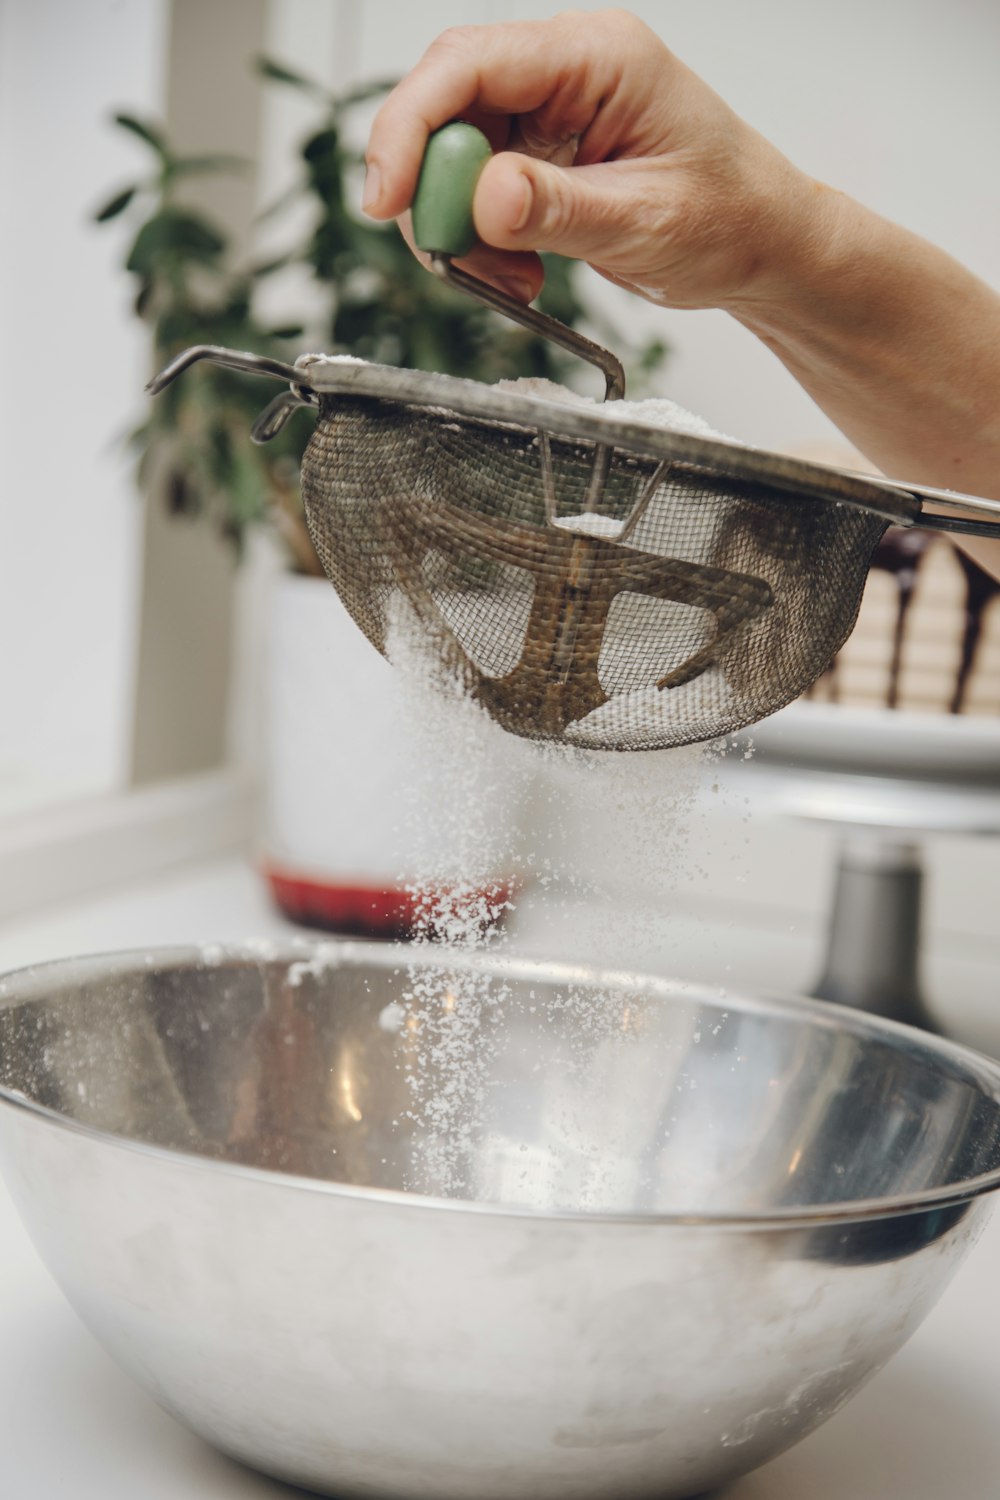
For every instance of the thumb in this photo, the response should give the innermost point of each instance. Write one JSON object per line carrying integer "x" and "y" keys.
{"x": 522, "y": 203}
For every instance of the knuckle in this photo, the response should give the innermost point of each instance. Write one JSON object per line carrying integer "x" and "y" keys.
{"x": 557, "y": 205}
{"x": 455, "y": 39}
{"x": 624, "y": 21}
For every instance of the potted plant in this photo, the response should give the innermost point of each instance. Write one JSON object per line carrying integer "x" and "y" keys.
{"x": 339, "y": 745}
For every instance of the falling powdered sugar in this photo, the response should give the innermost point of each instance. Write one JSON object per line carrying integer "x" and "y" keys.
{"x": 524, "y": 849}
{"x": 463, "y": 808}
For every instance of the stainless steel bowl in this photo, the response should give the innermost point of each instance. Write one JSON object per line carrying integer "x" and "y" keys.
{"x": 673, "y": 1231}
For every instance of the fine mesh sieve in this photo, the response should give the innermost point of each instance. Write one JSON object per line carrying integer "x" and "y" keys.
{"x": 722, "y": 605}
{"x": 589, "y": 578}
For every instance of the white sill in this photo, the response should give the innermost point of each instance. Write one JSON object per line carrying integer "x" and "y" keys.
{"x": 23, "y": 792}
{"x": 220, "y": 900}
{"x": 72, "y": 849}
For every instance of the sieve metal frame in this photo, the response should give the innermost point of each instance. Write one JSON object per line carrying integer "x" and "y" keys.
{"x": 599, "y": 424}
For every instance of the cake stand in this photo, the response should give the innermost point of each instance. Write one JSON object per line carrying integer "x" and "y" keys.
{"x": 888, "y": 781}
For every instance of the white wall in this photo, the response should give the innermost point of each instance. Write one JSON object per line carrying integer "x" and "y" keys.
{"x": 71, "y": 378}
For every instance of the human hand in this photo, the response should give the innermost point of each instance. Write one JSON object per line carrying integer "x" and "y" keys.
{"x": 609, "y": 150}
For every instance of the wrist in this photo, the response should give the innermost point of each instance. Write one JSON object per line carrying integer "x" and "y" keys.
{"x": 896, "y": 341}
{"x": 807, "y": 254}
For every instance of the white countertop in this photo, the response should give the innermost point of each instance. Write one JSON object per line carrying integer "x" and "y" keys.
{"x": 927, "y": 1428}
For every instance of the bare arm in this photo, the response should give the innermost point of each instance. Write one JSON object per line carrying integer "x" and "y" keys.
{"x": 610, "y": 150}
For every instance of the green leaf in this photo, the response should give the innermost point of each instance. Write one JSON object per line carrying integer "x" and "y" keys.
{"x": 115, "y": 205}
{"x": 178, "y": 494}
{"x": 137, "y": 438}
{"x": 174, "y": 234}
{"x": 268, "y": 267}
{"x": 277, "y": 72}
{"x": 322, "y": 146}
{"x": 151, "y": 134}
{"x": 279, "y": 204}
{"x": 142, "y": 442}
{"x": 652, "y": 355}
{"x": 366, "y": 91}
{"x": 246, "y": 489}
{"x": 220, "y": 161}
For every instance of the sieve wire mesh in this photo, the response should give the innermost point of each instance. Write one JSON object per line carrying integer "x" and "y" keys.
{"x": 726, "y": 601}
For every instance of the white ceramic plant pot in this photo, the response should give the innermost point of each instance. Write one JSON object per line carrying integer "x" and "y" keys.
{"x": 373, "y": 790}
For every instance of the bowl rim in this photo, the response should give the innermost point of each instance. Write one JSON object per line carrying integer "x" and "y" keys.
{"x": 975, "y": 1067}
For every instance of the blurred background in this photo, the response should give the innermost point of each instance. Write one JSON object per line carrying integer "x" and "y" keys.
{"x": 140, "y": 602}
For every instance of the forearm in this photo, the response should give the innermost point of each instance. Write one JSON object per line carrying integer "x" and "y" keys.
{"x": 898, "y": 343}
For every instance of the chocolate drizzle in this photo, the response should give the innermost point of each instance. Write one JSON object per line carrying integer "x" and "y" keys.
{"x": 980, "y": 588}
{"x": 900, "y": 554}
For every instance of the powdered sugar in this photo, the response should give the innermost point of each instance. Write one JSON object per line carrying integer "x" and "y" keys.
{"x": 521, "y": 844}
{"x": 654, "y": 411}
{"x": 553, "y": 842}
{"x": 588, "y": 523}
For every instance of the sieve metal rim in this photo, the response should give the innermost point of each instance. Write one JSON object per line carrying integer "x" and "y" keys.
{"x": 798, "y": 479}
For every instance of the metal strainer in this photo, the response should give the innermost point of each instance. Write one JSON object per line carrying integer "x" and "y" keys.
{"x": 590, "y": 580}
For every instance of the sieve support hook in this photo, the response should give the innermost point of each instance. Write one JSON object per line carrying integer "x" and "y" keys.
{"x": 538, "y": 322}
{"x": 274, "y": 416}
{"x": 231, "y": 359}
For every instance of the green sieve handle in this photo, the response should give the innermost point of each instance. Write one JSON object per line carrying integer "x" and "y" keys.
{"x": 442, "y": 205}
{"x": 454, "y": 157}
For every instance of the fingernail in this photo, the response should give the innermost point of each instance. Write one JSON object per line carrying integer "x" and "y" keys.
{"x": 515, "y": 287}
{"x": 527, "y": 202}
{"x": 373, "y": 186}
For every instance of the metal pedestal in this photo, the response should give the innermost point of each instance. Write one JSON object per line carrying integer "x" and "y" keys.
{"x": 873, "y": 941}
{"x": 873, "y": 938}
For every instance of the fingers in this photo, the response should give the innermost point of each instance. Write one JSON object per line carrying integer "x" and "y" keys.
{"x": 611, "y": 215}
{"x": 465, "y": 67}
{"x": 606, "y": 149}
{"x": 520, "y": 276}
{"x": 563, "y": 70}
{"x": 598, "y": 213}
